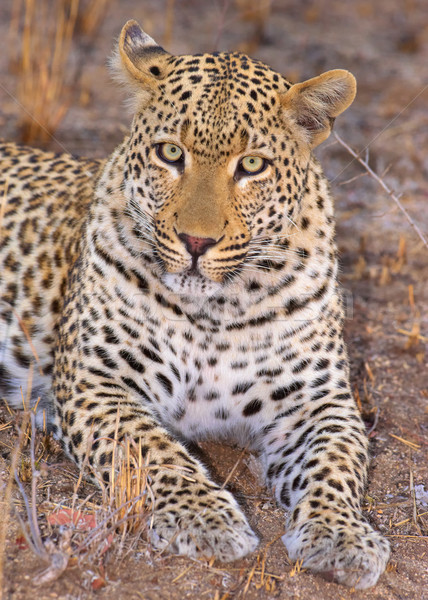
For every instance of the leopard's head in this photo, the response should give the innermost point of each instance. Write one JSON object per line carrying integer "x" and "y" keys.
{"x": 218, "y": 155}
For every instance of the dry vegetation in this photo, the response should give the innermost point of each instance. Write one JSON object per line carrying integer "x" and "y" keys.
{"x": 48, "y": 508}
{"x": 83, "y": 530}
{"x": 41, "y": 37}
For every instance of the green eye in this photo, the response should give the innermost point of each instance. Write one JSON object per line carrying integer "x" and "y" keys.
{"x": 170, "y": 153}
{"x": 252, "y": 165}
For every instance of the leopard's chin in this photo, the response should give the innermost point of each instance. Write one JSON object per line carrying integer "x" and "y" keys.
{"x": 191, "y": 283}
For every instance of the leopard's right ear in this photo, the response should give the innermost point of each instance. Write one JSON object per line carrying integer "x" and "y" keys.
{"x": 139, "y": 60}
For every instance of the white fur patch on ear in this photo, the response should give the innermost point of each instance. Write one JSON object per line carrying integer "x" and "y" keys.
{"x": 315, "y": 103}
{"x": 136, "y": 95}
{"x": 138, "y": 63}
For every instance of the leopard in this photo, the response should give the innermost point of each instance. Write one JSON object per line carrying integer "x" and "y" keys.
{"x": 185, "y": 289}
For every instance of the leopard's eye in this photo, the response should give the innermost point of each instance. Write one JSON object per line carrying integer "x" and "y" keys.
{"x": 169, "y": 153}
{"x": 252, "y": 165}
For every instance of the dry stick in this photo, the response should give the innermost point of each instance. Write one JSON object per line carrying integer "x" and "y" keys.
{"x": 235, "y": 466}
{"x": 383, "y": 185}
{"x": 7, "y": 495}
{"x": 34, "y": 538}
{"x": 413, "y": 497}
{"x": 34, "y": 476}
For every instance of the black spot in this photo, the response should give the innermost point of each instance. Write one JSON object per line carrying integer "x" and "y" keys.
{"x": 296, "y": 482}
{"x": 252, "y": 407}
{"x": 148, "y": 353}
{"x": 284, "y": 495}
{"x": 221, "y": 414}
{"x": 320, "y": 380}
{"x": 165, "y": 382}
{"x": 105, "y": 357}
{"x": 320, "y": 394}
{"x": 323, "y": 363}
{"x": 76, "y": 438}
{"x": 335, "y": 485}
{"x": 243, "y": 387}
{"x": 281, "y": 393}
{"x": 322, "y": 474}
{"x": 304, "y": 223}
{"x": 134, "y": 386}
{"x": 132, "y": 361}
{"x": 300, "y": 366}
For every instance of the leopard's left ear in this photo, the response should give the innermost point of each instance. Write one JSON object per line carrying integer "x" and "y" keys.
{"x": 139, "y": 61}
{"x": 314, "y": 104}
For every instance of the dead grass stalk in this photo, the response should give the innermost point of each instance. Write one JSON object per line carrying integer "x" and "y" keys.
{"x": 5, "y": 505}
{"x": 396, "y": 198}
{"x": 45, "y": 31}
{"x": 91, "y": 14}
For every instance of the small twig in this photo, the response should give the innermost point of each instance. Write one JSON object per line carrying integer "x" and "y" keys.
{"x": 375, "y": 422}
{"x": 383, "y": 185}
{"x": 352, "y": 179}
{"x": 387, "y": 170}
{"x": 235, "y": 466}
{"x": 35, "y": 537}
{"x": 6, "y": 499}
{"x": 411, "y": 445}
{"x": 413, "y": 497}
{"x": 32, "y": 539}
{"x": 34, "y": 476}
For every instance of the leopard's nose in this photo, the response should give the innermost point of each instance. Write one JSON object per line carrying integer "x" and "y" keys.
{"x": 196, "y": 246}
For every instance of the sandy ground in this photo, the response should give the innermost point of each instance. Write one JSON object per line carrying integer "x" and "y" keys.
{"x": 383, "y": 270}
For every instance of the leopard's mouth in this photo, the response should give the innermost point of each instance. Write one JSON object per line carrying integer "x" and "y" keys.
{"x": 193, "y": 271}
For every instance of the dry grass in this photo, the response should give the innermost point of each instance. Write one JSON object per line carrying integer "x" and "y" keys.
{"x": 41, "y": 38}
{"x": 6, "y": 494}
{"x": 169, "y": 23}
{"x": 45, "y": 31}
{"x": 130, "y": 496}
{"x": 87, "y": 529}
{"x": 91, "y": 15}
{"x": 82, "y": 532}
{"x": 257, "y": 12}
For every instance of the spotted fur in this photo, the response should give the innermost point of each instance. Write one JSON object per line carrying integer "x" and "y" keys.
{"x": 195, "y": 300}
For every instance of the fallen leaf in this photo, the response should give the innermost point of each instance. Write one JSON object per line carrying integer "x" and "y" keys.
{"x": 98, "y": 583}
{"x": 21, "y": 542}
{"x": 68, "y": 516}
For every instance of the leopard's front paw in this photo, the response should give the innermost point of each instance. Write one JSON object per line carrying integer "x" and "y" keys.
{"x": 218, "y": 528}
{"x": 354, "y": 555}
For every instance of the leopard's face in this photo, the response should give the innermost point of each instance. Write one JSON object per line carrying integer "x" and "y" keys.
{"x": 216, "y": 163}
{"x": 234, "y": 191}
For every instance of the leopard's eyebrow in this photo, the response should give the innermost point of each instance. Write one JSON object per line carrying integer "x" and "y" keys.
{"x": 255, "y": 145}
{"x": 262, "y": 149}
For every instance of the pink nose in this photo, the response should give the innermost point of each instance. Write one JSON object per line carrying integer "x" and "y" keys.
{"x": 196, "y": 246}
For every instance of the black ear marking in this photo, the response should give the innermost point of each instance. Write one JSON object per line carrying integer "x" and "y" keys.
{"x": 141, "y": 59}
